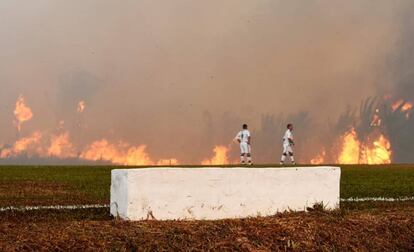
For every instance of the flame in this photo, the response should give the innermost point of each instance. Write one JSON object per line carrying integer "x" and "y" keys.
{"x": 376, "y": 119}
{"x": 380, "y": 153}
{"x": 167, "y": 162}
{"x": 61, "y": 147}
{"x": 319, "y": 159}
{"x": 23, "y": 145}
{"x": 350, "y": 149}
{"x": 406, "y": 106}
{"x": 119, "y": 154}
{"x": 81, "y": 107}
{"x": 355, "y": 152}
{"x": 220, "y": 156}
{"x": 375, "y": 148}
{"x": 22, "y": 112}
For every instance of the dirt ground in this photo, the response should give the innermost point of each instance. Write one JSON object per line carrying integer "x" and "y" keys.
{"x": 388, "y": 229}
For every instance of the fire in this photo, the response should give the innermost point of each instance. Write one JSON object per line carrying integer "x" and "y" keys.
{"x": 167, "y": 162}
{"x": 355, "y": 152}
{"x": 376, "y": 119}
{"x": 81, "y": 107}
{"x": 373, "y": 148}
{"x": 23, "y": 145}
{"x": 350, "y": 149}
{"x": 119, "y": 154}
{"x": 220, "y": 156}
{"x": 319, "y": 159}
{"x": 22, "y": 112}
{"x": 380, "y": 153}
{"x": 61, "y": 147}
{"x": 406, "y": 106}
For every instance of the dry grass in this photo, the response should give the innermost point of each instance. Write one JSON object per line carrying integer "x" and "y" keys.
{"x": 362, "y": 226}
{"x": 386, "y": 230}
{"x": 32, "y": 193}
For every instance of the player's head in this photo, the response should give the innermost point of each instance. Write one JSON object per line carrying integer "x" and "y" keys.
{"x": 244, "y": 126}
{"x": 290, "y": 126}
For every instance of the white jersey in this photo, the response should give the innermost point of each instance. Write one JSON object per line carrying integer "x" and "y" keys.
{"x": 243, "y": 136}
{"x": 288, "y": 135}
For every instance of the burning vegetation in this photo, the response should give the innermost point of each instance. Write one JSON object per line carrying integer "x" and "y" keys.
{"x": 371, "y": 136}
{"x": 220, "y": 156}
{"x": 22, "y": 112}
{"x": 366, "y": 138}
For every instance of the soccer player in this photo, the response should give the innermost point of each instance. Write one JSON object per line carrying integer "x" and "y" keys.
{"x": 244, "y": 138}
{"x": 288, "y": 143}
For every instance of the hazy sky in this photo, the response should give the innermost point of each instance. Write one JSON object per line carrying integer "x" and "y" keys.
{"x": 148, "y": 70}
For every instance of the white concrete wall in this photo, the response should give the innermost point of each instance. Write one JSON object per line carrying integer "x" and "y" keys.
{"x": 220, "y": 193}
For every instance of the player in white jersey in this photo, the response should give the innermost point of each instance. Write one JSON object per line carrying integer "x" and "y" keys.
{"x": 243, "y": 137}
{"x": 288, "y": 143}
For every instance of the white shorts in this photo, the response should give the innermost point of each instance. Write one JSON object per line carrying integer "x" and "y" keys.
{"x": 245, "y": 148}
{"x": 287, "y": 148}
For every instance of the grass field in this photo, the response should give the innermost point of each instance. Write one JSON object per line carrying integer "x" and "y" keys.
{"x": 357, "y": 226}
{"x": 21, "y": 186}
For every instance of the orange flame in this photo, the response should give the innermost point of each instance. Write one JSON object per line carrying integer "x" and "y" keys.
{"x": 380, "y": 153}
{"x": 121, "y": 154}
{"x": 81, "y": 107}
{"x": 22, "y": 112}
{"x": 117, "y": 154}
{"x": 376, "y": 119}
{"x": 355, "y": 152}
{"x": 319, "y": 159}
{"x": 406, "y": 106}
{"x": 350, "y": 149}
{"x": 220, "y": 156}
{"x": 22, "y": 145}
{"x": 61, "y": 147}
{"x": 167, "y": 162}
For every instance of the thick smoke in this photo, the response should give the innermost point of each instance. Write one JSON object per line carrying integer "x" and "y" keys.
{"x": 182, "y": 76}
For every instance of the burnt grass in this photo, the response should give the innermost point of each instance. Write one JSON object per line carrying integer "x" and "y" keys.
{"x": 387, "y": 229}
{"x": 361, "y": 226}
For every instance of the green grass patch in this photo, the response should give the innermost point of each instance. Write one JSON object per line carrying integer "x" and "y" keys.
{"x": 91, "y": 184}
{"x": 394, "y": 181}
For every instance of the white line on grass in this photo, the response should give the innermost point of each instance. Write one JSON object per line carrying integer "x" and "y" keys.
{"x": 30, "y": 208}
{"x": 75, "y": 207}
{"x": 378, "y": 199}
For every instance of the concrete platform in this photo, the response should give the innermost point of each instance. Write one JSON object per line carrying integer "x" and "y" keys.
{"x": 220, "y": 193}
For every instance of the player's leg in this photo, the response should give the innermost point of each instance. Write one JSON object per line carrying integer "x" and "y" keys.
{"x": 243, "y": 151}
{"x": 242, "y": 158}
{"x": 284, "y": 154}
{"x": 249, "y": 155}
{"x": 292, "y": 158}
{"x": 282, "y": 160}
{"x": 290, "y": 152}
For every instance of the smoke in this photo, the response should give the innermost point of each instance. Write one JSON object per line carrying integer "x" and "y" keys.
{"x": 401, "y": 59}
{"x": 180, "y": 77}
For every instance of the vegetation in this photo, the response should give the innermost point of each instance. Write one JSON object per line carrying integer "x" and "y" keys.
{"x": 31, "y": 185}
{"x": 385, "y": 226}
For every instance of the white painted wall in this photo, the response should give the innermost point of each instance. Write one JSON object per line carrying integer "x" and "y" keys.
{"x": 220, "y": 193}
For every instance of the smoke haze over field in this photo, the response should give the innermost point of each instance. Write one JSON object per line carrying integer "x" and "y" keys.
{"x": 182, "y": 76}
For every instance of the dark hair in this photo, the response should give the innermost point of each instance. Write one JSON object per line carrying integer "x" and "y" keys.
{"x": 289, "y": 125}
{"x": 244, "y": 126}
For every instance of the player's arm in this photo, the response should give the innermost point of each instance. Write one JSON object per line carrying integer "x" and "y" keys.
{"x": 291, "y": 142}
{"x": 237, "y": 138}
{"x": 249, "y": 140}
